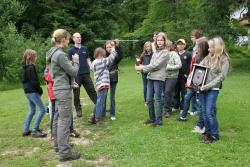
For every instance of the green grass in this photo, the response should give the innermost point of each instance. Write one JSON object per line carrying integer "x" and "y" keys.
{"x": 127, "y": 142}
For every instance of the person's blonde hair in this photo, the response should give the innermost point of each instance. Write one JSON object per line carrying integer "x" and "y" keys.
{"x": 29, "y": 56}
{"x": 220, "y": 53}
{"x": 59, "y": 35}
{"x": 148, "y": 43}
{"x": 99, "y": 51}
{"x": 164, "y": 36}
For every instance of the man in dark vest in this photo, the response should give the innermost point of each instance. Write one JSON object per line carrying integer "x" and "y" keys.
{"x": 83, "y": 76}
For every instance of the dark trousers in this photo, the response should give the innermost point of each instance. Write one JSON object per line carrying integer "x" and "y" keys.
{"x": 145, "y": 82}
{"x": 179, "y": 94}
{"x": 168, "y": 93}
{"x": 86, "y": 81}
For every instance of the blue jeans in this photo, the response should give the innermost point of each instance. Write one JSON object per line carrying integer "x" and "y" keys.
{"x": 34, "y": 99}
{"x": 145, "y": 82}
{"x": 154, "y": 89}
{"x": 101, "y": 103}
{"x": 190, "y": 95}
{"x": 112, "y": 98}
{"x": 208, "y": 109}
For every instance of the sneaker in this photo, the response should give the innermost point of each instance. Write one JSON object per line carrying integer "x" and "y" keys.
{"x": 74, "y": 133}
{"x": 175, "y": 109}
{"x": 73, "y": 156}
{"x": 148, "y": 122}
{"x": 181, "y": 119}
{"x": 167, "y": 114}
{"x": 197, "y": 129}
{"x": 156, "y": 124}
{"x": 26, "y": 133}
{"x": 113, "y": 118}
{"x": 38, "y": 134}
{"x": 193, "y": 113}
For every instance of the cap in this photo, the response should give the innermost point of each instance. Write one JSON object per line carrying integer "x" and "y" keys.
{"x": 182, "y": 41}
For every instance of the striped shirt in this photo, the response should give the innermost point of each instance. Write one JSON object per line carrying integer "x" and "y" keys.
{"x": 101, "y": 72}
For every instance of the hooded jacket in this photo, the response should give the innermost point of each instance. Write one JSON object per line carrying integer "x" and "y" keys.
{"x": 61, "y": 68}
{"x": 30, "y": 80}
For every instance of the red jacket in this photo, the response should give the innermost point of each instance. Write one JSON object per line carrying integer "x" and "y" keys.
{"x": 48, "y": 79}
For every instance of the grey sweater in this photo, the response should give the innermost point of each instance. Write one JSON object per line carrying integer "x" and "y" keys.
{"x": 101, "y": 71}
{"x": 215, "y": 77}
{"x": 62, "y": 70}
{"x": 173, "y": 66}
{"x": 157, "y": 68}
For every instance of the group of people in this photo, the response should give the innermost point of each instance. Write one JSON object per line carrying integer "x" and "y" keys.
{"x": 64, "y": 72}
{"x": 167, "y": 70}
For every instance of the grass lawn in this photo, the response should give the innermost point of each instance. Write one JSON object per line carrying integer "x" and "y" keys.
{"x": 126, "y": 141}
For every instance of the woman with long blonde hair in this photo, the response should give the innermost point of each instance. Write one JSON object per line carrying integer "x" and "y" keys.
{"x": 156, "y": 76}
{"x": 218, "y": 63}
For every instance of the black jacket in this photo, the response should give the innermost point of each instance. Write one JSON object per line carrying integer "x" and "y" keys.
{"x": 113, "y": 68}
{"x": 30, "y": 80}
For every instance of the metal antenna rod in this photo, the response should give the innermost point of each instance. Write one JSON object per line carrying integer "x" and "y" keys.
{"x": 120, "y": 40}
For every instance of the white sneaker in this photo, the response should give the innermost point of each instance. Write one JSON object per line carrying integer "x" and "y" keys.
{"x": 193, "y": 113}
{"x": 113, "y": 118}
{"x": 174, "y": 109}
{"x": 197, "y": 129}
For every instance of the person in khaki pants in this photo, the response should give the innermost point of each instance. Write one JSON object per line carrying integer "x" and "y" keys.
{"x": 62, "y": 71}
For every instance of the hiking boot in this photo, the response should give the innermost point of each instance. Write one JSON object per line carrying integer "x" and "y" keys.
{"x": 38, "y": 133}
{"x": 148, "y": 122}
{"x": 92, "y": 120}
{"x": 73, "y": 156}
{"x": 26, "y": 133}
{"x": 74, "y": 133}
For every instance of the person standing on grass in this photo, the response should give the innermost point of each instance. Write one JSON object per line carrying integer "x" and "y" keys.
{"x": 113, "y": 74}
{"x": 156, "y": 76}
{"x": 102, "y": 79}
{"x": 202, "y": 52}
{"x": 33, "y": 93}
{"x": 218, "y": 63}
{"x": 172, "y": 71}
{"x": 50, "y": 83}
{"x": 145, "y": 59}
{"x": 62, "y": 70}
{"x": 180, "y": 89}
{"x": 83, "y": 75}
{"x": 195, "y": 35}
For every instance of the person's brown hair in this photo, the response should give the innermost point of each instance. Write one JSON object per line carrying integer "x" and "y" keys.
{"x": 29, "y": 56}
{"x": 148, "y": 43}
{"x": 99, "y": 51}
{"x": 197, "y": 33}
{"x": 164, "y": 36}
{"x": 202, "y": 46}
{"x": 59, "y": 35}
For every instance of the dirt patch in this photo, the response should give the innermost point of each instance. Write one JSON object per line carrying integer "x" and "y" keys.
{"x": 81, "y": 141}
{"x": 33, "y": 151}
{"x": 101, "y": 161}
{"x": 64, "y": 164}
{"x": 11, "y": 152}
